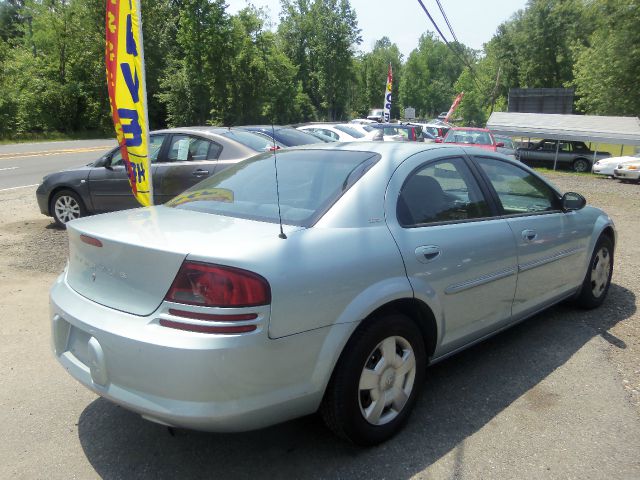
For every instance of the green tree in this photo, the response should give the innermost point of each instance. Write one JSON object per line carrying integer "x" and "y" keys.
{"x": 319, "y": 37}
{"x": 194, "y": 86}
{"x": 429, "y": 75}
{"x": 372, "y": 74}
{"x": 607, "y": 70}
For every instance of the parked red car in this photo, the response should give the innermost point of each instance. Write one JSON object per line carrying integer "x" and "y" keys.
{"x": 478, "y": 137}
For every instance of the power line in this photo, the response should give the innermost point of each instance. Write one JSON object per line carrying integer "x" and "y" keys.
{"x": 444, "y": 15}
{"x": 444, "y": 39}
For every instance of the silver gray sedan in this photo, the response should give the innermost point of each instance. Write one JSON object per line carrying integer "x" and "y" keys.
{"x": 322, "y": 278}
{"x": 180, "y": 158}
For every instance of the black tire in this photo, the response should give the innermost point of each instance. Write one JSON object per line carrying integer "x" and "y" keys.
{"x": 66, "y": 205}
{"x": 346, "y": 406}
{"x": 581, "y": 165}
{"x": 598, "y": 277}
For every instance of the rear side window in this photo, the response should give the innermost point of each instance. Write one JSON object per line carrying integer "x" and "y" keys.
{"x": 309, "y": 183}
{"x": 292, "y": 137}
{"x": 349, "y": 131}
{"x": 188, "y": 148}
{"x": 442, "y": 191}
{"x": 519, "y": 191}
{"x": 259, "y": 143}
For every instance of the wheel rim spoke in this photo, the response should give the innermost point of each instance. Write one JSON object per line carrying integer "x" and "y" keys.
{"x": 399, "y": 398}
{"x": 408, "y": 363}
{"x": 374, "y": 412}
{"x": 369, "y": 379}
{"x": 389, "y": 351}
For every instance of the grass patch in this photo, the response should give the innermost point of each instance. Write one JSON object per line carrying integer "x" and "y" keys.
{"x": 56, "y": 136}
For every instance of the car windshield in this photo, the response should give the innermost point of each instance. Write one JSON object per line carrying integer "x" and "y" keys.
{"x": 350, "y": 131}
{"x": 257, "y": 142}
{"x": 309, "y": 183}
{"x": 473, "y": 137}
{"x": 292, "y": 137}
{"x": 508, "y": 143}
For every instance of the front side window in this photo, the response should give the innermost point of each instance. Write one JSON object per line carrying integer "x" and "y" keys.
{"x": 519, "y": 191}
{"x": 442, "y": 191}
{"x": 155, "y": 143}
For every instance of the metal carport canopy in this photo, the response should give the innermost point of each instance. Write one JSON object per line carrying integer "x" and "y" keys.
{"x": 586, "y": 128}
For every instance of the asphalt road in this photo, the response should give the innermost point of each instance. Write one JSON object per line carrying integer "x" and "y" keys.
{"x": 23, "y": 165}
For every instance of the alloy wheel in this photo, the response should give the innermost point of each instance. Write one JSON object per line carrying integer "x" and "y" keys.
{"x": 66, "y": 208}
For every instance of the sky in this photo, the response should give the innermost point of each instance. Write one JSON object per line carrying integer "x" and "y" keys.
{"x": 474, "y": 21}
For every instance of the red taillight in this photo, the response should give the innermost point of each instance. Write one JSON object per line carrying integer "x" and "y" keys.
{"x": 90, "y": 240}
{"x": 217, "y": 286}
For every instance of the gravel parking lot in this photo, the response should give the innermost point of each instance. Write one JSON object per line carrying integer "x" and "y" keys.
{"x": 555, "y": 397}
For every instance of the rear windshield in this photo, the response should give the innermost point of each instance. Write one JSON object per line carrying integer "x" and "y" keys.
{"x": 257, "y": 142}
{"x": 309, "y": 182}
{"x": 292, "y": 137}
{"x": 349, "y": 131}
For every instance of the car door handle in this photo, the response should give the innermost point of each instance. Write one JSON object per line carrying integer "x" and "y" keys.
{"x": 200, "y": 172}
{"x": 529, "y": 235}
{"x": 428, "y": 253}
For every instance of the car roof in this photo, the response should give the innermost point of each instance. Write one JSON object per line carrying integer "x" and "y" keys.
{"x": 475, "y": 129}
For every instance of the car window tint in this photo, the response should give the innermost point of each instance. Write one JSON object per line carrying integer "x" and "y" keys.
{"x": 442, "y": 191}
{"x": 548, "y": 146}
{"x": 565, "y": 147}
{"x": 518, "y": 190}
{"x": 292, "y": 137}
{"x": 155, "y": 144}
{"x": 349, "y": 131}
{"x": 186, "y": 148}
{"x": 254, "y": 140}
{"x": 309, "y": 183}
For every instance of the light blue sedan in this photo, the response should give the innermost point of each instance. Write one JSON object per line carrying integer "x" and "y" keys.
{"x": 247, "y": 301}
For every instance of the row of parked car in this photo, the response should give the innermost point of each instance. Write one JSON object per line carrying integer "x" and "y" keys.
{"x": 181, "y": 157}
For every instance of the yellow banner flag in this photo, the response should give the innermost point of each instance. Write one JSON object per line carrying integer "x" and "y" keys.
{"x": 128, "y": 94}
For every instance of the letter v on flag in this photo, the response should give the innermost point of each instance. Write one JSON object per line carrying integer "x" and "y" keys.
{"x": 124, "y": 59}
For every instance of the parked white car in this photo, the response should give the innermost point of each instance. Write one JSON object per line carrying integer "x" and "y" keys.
{"x": 339, "y": 132}
{"x": 606, "y": 166}
{"x": 628, "y": 171}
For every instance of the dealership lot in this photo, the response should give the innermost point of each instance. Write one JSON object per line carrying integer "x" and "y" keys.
{"x": 555, "y": 397}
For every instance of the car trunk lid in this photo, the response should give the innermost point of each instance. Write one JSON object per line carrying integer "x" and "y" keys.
{"x": 127, "y": 260}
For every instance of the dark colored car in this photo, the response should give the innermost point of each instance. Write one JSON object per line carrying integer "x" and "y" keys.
{"x": 287, "y": 136}
{"x": 180, "y": 158}
{"x": 571, "y": 154}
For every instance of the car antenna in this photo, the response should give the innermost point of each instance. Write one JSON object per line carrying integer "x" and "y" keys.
{"x": 275, "y": 163}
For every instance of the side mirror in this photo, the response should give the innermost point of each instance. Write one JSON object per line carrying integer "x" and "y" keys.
{"x": 101, "y": 162}
{"x": 500, "y": 144}
{"x": 573, "y": 201}
{"x": 439, "y": 140}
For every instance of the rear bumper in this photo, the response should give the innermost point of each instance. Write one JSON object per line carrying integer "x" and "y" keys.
{"x": 205, "y": 382}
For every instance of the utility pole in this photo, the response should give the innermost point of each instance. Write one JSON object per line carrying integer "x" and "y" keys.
{"x": 495, "y": 90}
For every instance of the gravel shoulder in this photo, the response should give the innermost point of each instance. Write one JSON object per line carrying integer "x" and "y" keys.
{"x": 555, "y": 397}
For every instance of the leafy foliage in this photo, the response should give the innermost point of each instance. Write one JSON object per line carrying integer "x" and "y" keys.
{"x": 205, "y": 66}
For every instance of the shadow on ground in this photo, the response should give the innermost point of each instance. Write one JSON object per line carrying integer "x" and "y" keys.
{"x": 461, "y": 395}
